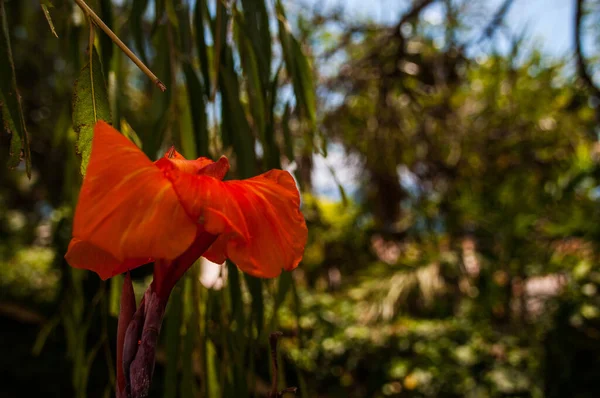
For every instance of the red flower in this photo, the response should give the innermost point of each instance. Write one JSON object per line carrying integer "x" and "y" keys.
{"x": 132, "y": 211}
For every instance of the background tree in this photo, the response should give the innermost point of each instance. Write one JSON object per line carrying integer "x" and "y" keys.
{"x": 464, "y": 264}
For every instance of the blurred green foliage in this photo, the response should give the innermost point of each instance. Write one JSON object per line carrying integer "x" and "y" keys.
{"x": 465, "y": 262}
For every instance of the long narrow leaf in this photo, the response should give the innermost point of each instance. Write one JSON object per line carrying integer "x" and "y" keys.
{"x": 298, "y": 67}
{"x": 90, "y": 104}
{"x": 106, "y": 44}
{"x": 201, "y": 46}
{"x": 172, "y": 339}
{"x": 11, "y": 113}
{"x": 197, "y": 104}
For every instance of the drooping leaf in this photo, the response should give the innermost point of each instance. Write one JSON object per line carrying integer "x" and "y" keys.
{"x": 283, "y": 287}
{"x": 161, "y": 102}
{"x": 255, "y": 288}
{"x": 172, "y": 338}
{"x": 252, "y": 71}
{"x": 11, "y": 113}
{"x": 287, "y": 135}
{"x": 106, "y": 44}
{"x": 235, "y": 128}
{"x": 201, "y": 46}
{"x": 298, "y": 67}
{"x": 197, "y": 104}
{"x": 235, "y": 294}
{"x": 130, "y": 133}
{"x": 212, "y": 371}
{"x": 136, "y": 19}
{"x": 259, "y": 37}
{"x": 188, "y": 379}
{"x": 187, "y": 137}
{"x": 272, "y": 153}
{"x": 90, "y": 104}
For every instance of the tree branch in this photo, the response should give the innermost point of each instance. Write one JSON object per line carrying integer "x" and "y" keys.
{"x": 582, "y": 69}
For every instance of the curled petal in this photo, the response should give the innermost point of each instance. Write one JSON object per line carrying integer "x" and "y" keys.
{"x": 259, "y": 221}
{"x": 82, "y": 254}
{"x": 203, "y": 166}
{"x": 126, "y": 206}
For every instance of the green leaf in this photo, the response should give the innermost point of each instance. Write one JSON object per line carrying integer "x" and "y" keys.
{"x": 212, "y": 371}
{"x": 188, "y": 379}
{"x": 235, "y": 128}
{"x": 255, "y": 288}
{"x": 257, "y": 28}
{"x": 136, "y": 19}
{"x": 172, "y": 338}
{"x": 201, "y": 44}
{"x": 285, "y": 283}
{"x": 251, "y": 69}
{"x": 197, "y": 104}
{"x": 11, "y": 113}
{"x": 273, "y": 160}
{"x": 49, "y": 19}
{"x": 235, "y": 293}
{"x": 90, "y": 104}
{"x": 298, "y": 67}
{"x": 287, "y": 135}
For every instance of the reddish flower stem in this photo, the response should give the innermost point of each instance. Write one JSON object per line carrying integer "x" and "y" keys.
{"x": 167, "y": 275}
{"x": 126, "y": 313}
{"x": 137, "y": 346}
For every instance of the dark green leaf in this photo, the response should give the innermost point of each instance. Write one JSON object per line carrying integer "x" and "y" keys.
{"x": 259, "y": 35}
{"x": 283, "y": 287}
{"x": 136, "y": 19}
{"x": 235, "y": 127}
{"x": 106, "y": 44}
{"x": 251, "y": 70}
{"x": 197, "y": 104}
{"x": 172, "y": 338}
{"x": 255, "y": 288}
{"x": 10, "y": 101}
{"x": 201, "y": 44}
{"x": 188, "y": 379}
{"x": 90, "y": 104}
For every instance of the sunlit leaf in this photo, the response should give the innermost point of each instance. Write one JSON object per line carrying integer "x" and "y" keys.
{"x": 90, "y": 104}
{"x": 298, "y": 67}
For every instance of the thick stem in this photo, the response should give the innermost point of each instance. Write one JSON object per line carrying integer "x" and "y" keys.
{"x": 126, "y": 313}
{"x": 142, "y": 367}
{"x": 273, "y": 339}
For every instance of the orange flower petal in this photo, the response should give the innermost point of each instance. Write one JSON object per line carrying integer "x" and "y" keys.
{"x": 259, "y": 221}
{"x": 87, "y": 256}
{"x": 126, "y": 205}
